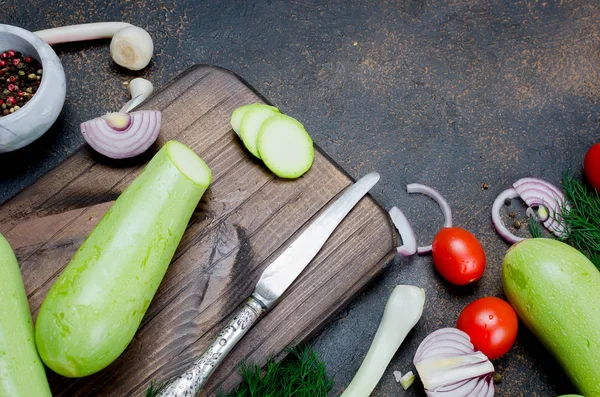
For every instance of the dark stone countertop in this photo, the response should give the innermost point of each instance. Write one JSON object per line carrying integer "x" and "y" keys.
{"x": 450, "y": 94}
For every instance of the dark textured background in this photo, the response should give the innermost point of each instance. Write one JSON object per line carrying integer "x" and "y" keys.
{"x": 450, "y": 94}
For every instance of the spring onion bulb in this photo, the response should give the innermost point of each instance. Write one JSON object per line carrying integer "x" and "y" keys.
{"x": 439, "y": 199}
{"x": 402, "y": 311}
{"x": 140, "y": 89}
{"x": 409, "y": 241}
{"x": 448, "y": 365}
{"x": 130, "y": 47}
{"x": 122, "y": 135}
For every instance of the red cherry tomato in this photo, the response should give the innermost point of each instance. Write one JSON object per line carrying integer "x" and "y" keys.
{"x": 458, "y": 255}
{"x": 591, "y": 166}
{"x": 492, "y": 325}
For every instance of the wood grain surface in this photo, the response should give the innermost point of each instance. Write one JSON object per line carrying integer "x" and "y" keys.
{"x": 245, "y": 218}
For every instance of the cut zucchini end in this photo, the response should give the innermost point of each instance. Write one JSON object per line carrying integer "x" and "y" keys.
{"x": 285, "y": 147}
{"x": 251, "y": 122}
{"x": 189, "y": 163}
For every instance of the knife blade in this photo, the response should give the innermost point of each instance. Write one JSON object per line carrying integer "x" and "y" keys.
{"x": 273, "y": 283}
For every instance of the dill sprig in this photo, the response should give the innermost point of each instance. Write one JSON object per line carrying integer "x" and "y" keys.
{"x": 535, "y": 229}
{"x": 152, "y": 391}
{"x": 301, "y": 374}
{"x": 582, "y": 220}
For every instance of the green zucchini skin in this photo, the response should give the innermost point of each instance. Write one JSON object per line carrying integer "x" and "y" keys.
{"x": 95, "y": 307}
{"x": 22, "y": 373}
{"x": 555, "y": 291}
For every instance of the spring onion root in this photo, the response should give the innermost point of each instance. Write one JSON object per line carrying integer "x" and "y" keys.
{"x": 402, "y": 311}
{"x": 130, "y": 47}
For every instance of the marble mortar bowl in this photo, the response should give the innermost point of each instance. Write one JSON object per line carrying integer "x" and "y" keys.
{"x": 27, "y": 124}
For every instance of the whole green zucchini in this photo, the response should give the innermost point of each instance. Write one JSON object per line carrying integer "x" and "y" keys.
{"x": 555, "y": 291}
{"x": 94, "y": 308}
{"x": 21, "y": 370}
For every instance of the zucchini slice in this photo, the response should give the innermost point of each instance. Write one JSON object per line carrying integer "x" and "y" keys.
{"x": 253, "y": 118}
{"x": 285, "y": 147}
{"x": 236, "y": 118}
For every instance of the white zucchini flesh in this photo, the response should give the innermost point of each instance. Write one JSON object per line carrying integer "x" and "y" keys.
{"x": 21, "y": 370}
{"x": 251, "y": 122}
{"x": 285, "y": 147}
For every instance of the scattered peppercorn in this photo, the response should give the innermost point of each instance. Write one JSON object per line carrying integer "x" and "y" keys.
{"x": 20, "y": 78}
{"x": 485, "y": 186}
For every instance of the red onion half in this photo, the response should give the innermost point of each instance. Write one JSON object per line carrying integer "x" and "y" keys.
{"x": 409, "y": 241}
{"x": 449, "y": 366}
{"x": 535, "y": 193}
{"x": 122, "y": 135}
{"x": 439, "y": 199}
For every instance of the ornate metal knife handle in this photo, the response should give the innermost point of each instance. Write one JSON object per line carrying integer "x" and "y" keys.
{"x": 189, "y": 383}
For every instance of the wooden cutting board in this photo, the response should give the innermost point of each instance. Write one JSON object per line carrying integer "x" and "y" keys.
{"x": 245, "y": 218}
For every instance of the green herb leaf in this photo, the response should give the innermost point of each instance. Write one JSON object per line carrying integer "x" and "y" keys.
{"x": 301, "y": 374}
{"x": 582, "y": 220}
{"x": 535, "y": 229}
{"x": 152, "y": 391}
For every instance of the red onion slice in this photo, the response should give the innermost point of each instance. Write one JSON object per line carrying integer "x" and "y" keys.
{"x": 497, "y": 218}
{"x": 452, "y": 342}
{"x": 409, "y": 241}
{"x": 465, "y": 373}
{"x": 536, "y": 192}
{"x": 439, "y": 199}
{"x": 130, "y": 140}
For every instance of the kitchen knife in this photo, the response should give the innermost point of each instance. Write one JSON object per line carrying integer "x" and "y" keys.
{"x": 273, "y": 282}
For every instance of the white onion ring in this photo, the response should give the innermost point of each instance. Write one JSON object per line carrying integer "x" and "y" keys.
{"x": 409, "y": 241}
{"x": 497, "y": 218}
{"x": 136, "y": 138}
{"x": 439, "y": 199}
